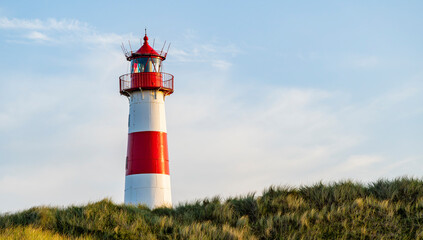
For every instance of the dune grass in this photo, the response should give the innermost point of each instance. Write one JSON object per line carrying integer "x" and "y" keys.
{"x": 386, "y": 209}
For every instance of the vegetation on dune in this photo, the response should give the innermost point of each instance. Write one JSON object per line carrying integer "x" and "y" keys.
{"x": 344, "y": 210}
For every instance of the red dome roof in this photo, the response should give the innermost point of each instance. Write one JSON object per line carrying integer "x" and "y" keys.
{"x": 146, "y": 49}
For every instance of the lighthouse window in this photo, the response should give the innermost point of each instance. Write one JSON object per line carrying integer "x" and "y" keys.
{"x": 146, "y": 65}
{"x": 156, "y": 64}
{"x": 137, "y": 67}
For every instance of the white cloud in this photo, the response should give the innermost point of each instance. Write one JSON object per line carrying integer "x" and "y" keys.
{"x": 221, "y": 64}
{"x": 394, "y": 104}
{"x": 216, "y": 54}
{"x": 358, "y": 162}
{"x": 62, "y": 31}
{"x": 37, "y": 24}
{"x": 38, "y": 36}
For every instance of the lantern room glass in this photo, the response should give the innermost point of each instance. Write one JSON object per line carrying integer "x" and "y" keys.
{"x": 146, "y": 65}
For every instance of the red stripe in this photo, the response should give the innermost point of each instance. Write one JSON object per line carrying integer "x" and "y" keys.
{"x": 147, "y": 153}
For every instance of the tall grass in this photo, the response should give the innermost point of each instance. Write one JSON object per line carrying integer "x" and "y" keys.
{"x": 385, "y": 209}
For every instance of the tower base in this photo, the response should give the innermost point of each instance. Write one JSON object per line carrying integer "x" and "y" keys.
{"x": 150, "y": 189}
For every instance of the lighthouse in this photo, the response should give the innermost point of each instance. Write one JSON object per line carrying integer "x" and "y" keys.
{"x": 147, "y": 179}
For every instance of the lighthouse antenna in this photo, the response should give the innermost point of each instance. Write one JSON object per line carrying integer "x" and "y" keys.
{"x": 125, "y": 52}
{"x": 154, "y": 40}
{"x": 130, "y": 45}
{"x": 123, "y": 49}
{"x": 168, "y": 48}
{"x": 163, "y": 47}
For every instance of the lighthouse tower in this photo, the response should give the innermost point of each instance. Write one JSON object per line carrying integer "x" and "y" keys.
{"x": 147, "y": 178}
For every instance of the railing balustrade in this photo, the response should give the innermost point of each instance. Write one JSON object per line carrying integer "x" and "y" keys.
{"x": 146, "y": 80}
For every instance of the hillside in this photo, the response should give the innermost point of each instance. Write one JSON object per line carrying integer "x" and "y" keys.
{"x": 386, "y": 209}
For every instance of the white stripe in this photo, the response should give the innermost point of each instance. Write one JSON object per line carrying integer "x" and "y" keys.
{"x": 152, "y": 190}
{"x": 147, "y": 111}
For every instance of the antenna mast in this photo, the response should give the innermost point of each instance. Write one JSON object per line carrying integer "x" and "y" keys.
{"x": 130, "y": 45}
{"x": 125, "y": 52}
{"x": 168, "y": 48}
{"x": 163, "y": 47}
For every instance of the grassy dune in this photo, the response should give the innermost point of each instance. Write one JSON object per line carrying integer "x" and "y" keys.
{"x": 344, "y": 210}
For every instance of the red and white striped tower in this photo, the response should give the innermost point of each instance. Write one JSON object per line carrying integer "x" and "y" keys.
{"x": 147, "y": 178}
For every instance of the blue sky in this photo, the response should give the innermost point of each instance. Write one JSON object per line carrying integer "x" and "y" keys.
{"x": 275, "y": 93}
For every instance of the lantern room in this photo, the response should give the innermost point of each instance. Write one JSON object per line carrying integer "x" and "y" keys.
{"x": 146, "y": 71}
{"x": 143, "y": 64}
